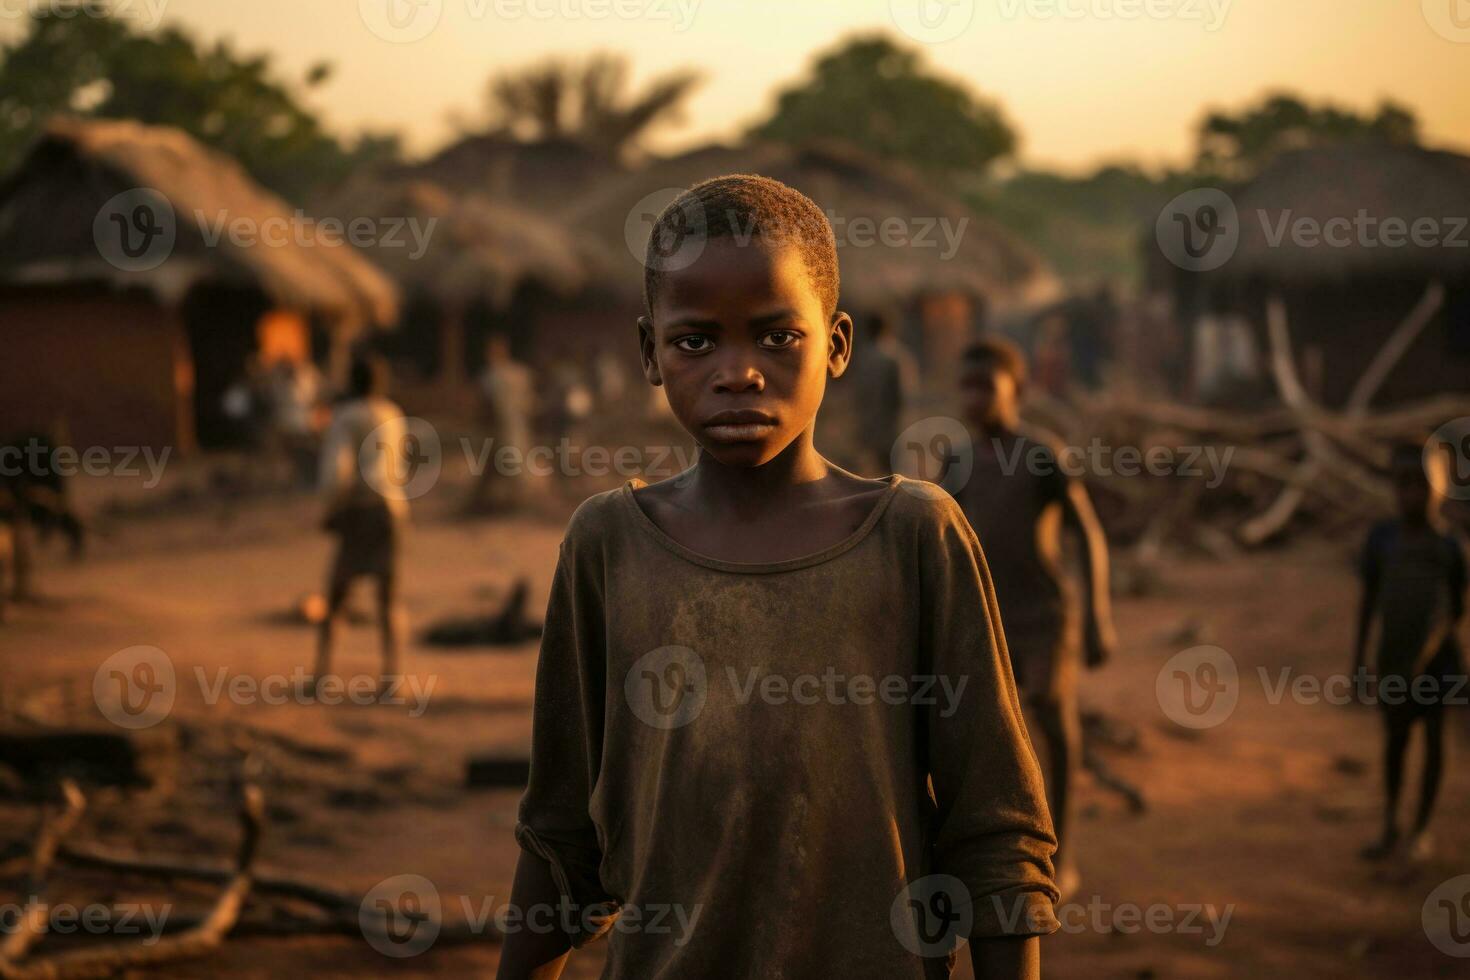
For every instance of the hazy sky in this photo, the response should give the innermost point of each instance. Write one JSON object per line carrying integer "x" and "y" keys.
{"x": 1083, "y": 80}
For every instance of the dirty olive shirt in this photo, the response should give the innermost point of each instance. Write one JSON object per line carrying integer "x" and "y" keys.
{"x": 744, "y": 752}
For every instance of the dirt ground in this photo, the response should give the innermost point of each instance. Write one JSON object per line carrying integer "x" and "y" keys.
{"x": 1262, "y": 814}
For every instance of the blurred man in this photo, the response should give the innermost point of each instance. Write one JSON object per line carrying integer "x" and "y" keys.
{"x": 1017, "y": 499}
{"x": 366, "y": 508}
{"x": 1413, "y": 573}
{"x": 508, "y": 401}
{"x": 881, "y": 377}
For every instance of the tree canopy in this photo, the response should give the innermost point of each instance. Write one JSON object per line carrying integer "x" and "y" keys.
{"x": 87, "y": 65}
{"x": 1239, "y": 144}
{"x": 881, "y": 97}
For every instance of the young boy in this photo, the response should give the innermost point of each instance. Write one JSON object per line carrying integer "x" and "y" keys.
{"x": 731, "y": 772}
{"x": 1017, "y": 498}
{"x": 361, "y": 483}
{"x": 1414, "y": 585}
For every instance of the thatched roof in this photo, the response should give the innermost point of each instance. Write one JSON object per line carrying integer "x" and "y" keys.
{"x": 49, "y": 204}
{"x": 986, "y": 260}
{"x": 541, "y": 174}
{"x": 1340, "y": 182}
{"x": 473, "y": 247}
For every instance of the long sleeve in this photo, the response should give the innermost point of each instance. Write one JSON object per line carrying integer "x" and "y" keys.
{"x": 566, "y": 749}
{"x": 992, "y": 829}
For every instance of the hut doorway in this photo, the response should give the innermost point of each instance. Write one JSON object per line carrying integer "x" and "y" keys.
{"x": 221, "y": 323}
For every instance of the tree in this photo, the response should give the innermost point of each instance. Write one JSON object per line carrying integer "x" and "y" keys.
{"x": 586, "y": 101}
{"x": 81, "y": 64}
{"x": 882, "y": 98}
{"x": 1241, "y": 144}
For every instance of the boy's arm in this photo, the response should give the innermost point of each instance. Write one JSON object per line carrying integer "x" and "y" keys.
{"x": 1100, "y": 639}
{"x": 991, "y": 830}
{"x": 530, "y": 954}
{"x": 1010, "y": 958}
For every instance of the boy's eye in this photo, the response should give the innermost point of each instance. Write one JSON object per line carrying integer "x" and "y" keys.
{"x": 777, "y": 339}
{"x": 693, "y": 343}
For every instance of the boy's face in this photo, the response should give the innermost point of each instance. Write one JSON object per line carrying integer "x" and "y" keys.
{"x": 988, "y": 394}
{"x": 743, "y": 347}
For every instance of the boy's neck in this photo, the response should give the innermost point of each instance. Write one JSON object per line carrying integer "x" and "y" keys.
{"x": 743, "y": 491}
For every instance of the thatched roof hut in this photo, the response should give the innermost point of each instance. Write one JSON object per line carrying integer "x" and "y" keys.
{"x": 540, "y": 174}
{"x": 49, "y": 204}
{"x": 1379, "y": 181}
{"x": 1356, "y": 243}
{"x": 141, "y": 271}
{"x": 465, "y": 259}
{"x": 857, "y": 192}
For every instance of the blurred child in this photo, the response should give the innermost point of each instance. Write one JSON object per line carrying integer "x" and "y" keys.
{"x": 362, "y": 486}
{"x": 1017, "y": 498}
{"x": 1413, "y": 573}
{"x": 713, "y": 828}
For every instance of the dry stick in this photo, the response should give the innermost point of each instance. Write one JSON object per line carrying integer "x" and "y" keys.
{"x": 201, "y": 939}
{"x": 1393, "y": 350}
{"x": 54, "y": 826}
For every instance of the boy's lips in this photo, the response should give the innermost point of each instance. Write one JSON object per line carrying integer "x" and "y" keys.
{"x": 739, "y": 425}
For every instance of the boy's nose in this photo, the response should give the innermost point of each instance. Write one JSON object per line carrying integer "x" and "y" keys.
{"x": 738, "y": 378}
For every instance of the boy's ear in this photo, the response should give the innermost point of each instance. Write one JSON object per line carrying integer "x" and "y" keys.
{"x": 839, "y": 344}
{"x": 646, "y": 352}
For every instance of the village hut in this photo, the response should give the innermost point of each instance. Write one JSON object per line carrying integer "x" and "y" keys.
{"x": 541, "y": 175}
{"x": 1362, "y": 251}
{"x": 468, "y": 265}
{"x": 139, "y": 273}
{"x": 908, "y": 251}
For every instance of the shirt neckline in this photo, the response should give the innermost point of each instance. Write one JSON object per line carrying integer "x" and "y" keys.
{"x": 755, "y": 568}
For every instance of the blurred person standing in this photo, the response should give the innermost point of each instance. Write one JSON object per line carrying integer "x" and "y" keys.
{"x": 361, "y": 479}
{"x": 507, "y": 399}
{"x": 882, "y": 377}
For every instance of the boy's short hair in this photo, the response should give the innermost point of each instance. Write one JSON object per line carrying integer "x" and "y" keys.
{"x": 994, "y": 350}
{"x": 368, "y": 375}
{"x": 742, "y": 206}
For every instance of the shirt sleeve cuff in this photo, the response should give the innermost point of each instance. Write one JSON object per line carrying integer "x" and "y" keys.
{"x": 1014, "y": 912}
{"x": 588, "y": 911}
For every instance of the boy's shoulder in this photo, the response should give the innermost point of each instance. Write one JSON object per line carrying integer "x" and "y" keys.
{"x": 927, "y": 508}
{"x": 596, "y": 517}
